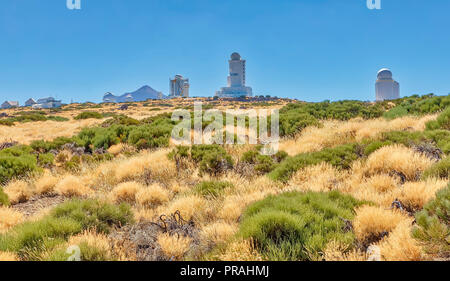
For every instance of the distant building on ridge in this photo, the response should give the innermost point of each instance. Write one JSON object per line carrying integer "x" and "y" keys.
{"x": 30, "y": 102}
{"x": 47, "y": 103}
{"x": 10, "y": 104}
{"x": 179, "y": 87}
{"x": 236, "y": 80}
{"x": 386, "y": 88}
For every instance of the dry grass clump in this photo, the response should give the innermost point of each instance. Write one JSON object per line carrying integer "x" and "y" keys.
{"x": 151, "y": 166}
{"x": 234, "y": 205}
{"x": 46, "y": 184}
{"x": 240, "y": 250}
{"x": 7, "y": 256}
{"x": 382, "y": 183}
{"x": 218, "y": 232}
{"x": 371, "y": 221}
{"x": 400, "y": 159}
{"x": 336, "y": 251}
{"x": 414, "y": 195}
{"x": 152, "y": 196}
{"x": 126, "y": 192}
{"x": 143, "y": 214}
{"x": 322, "y": 177}
{"x": 72, "y": 186}
{"x": 9, "y": 218}
{"x": 190, "y": 207}
{"x": 98, "y": 241}
{"x": 174, "y": 246}
{"x": 335, "y": 132}
{"x": 25, "y": 133}
{"x": 120, "y": 148}
{"x": 18, "y": 191}
{"x": 400, "y": 246}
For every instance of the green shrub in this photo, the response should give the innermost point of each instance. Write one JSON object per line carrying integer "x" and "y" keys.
{"x": 6, "y": 122}
{"x": 212, "y": 188}
{"x": 340, "y": 157}
{"x": 88, "y": 252}
{"x": 215, "y": 163}
{"x": 371, "y": 147}
{"x": 31, "y": 238}
{"x": 433, "y": 225}
{"x": 89, "y": 115}
{"x": 439, "y": 170}
{"x": 4, "y": 200}
{"x": 46, "y": 159}
{"x": 396, "y": 112}
{"x": 15, "y": 162}
{"x": 297, "y": 226}
{"x": 442, "y": 122}
{"x": 94, "y": 214}
{"x": 57, "y": 118}
{"x": 121, "y": 120}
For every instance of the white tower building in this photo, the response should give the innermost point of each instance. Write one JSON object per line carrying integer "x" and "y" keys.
{"x": 386, "y": 88}
{"x": 236, "y": 80}
{"x": 179, "y": 87}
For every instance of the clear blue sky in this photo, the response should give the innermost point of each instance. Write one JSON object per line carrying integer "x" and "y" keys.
{"x": 307, "y": 49}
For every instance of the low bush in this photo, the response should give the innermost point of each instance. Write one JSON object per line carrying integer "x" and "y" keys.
{"x": 433, "y": 225}
{"x": 439, "y": 170}
{"x": 89, "y": 115}
{"x": 340, "y": 157}
{"x": 298, "y": 226}
{"x": 442, "y": 122}
{"x": 30, "y": 239}
{"x": 15, "y": 162}
{"x": 212, "y": 188}
{"x": 4, "y": 201}
{"x": 94, "y": 214}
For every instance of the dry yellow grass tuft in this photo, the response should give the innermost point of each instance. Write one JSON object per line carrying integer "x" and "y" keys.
{"x": 94, "y": 240}
{"x": 397, "y": 158}
{"x": 18, "y": 191}
{"x": 372, "y": 221}
{"x": 234, "y": 205}
{"x": 335, "y": 251}
{"x": 382, "y": 183}
{"x": 126, "y": 192}
{"x": 9, "y": 218}
{"x": 46, "y": 184}
{"x": 151, "y": 165}
{"x": 322, "y": 177}
{"x": 7, "y": 256}
{"x": 414, "y": 195}
{"x": 335, "y": 133}
{"x": 143, "y": 215}
{"x": 120, "y": 148}
{"x": 190, "y": 207}
{"x": 240, "y": 250}
{"x": 72, "y": 186}
{"x": 218, "y": 232}
{"x": 400, "y": 246}
{"x": 174, "y": 246}
{"x": 152, "y": 196}
{"x": 25, "y": 133}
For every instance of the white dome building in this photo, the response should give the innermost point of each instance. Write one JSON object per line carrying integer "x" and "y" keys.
{"x": 386, "y": 88}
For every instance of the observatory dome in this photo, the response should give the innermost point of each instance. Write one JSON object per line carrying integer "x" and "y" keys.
{"x": 384, "y": 73}
{"x": 235, "y": 56}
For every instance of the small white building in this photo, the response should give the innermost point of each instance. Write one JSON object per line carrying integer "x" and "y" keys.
{"x": 386, "y": 88}
{"x": 179, "y": 86}
{"x": 47, "y": 103}
{"x": 30, "y": 102}
{"x": 10, "y": 104}
{"x": 236, "y": 80}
